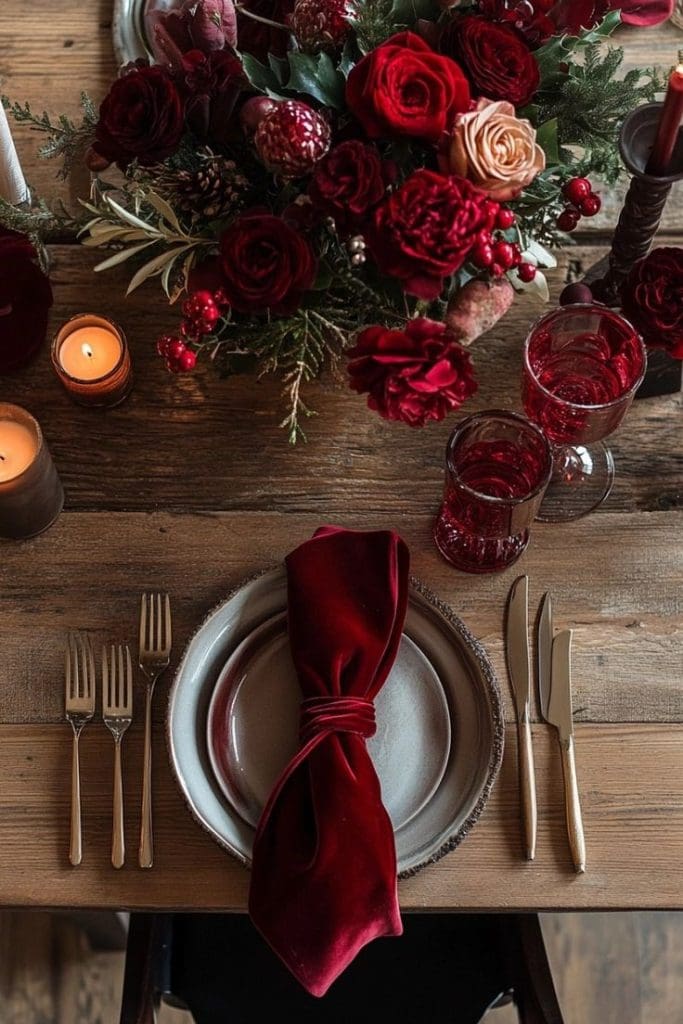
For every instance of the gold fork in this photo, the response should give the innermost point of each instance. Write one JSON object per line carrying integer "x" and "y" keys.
{"x": 117, "y": 714}
{"x": 79, "y": 664}
{"x": 155, "y": 654}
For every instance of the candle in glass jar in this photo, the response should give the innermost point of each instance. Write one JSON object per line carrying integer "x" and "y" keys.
{"x": 31, "y": 495}
{"x": 91, "y": 358}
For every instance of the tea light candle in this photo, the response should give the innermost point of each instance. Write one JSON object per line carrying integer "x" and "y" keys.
{"x": 91, "y": 358}
{"x": 31, "y": 495}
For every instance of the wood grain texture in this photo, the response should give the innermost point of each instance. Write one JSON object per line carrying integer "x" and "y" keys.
{"x": 197, "y": 442}
{"x": 88, "y": 571}
{"x": 631, "y": 787}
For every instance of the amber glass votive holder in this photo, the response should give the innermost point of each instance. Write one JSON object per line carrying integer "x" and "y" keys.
{"x": 91, "y": 358}
{"x": 31, "y": 493}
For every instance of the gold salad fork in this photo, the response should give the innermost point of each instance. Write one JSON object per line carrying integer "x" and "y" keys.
{"x": 117, "y": 714}
{"x": 79, "y": 663}
{"x": 155, "y": 654}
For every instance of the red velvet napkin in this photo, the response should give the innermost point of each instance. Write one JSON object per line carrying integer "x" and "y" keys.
{"x": 323, "y": 880}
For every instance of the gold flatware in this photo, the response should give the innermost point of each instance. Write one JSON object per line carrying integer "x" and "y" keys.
{"x": 117, "y": 714}
{"x": 154, "y": 656}
{"x": 79, "y": 671}
{"x": 517, "y": 651}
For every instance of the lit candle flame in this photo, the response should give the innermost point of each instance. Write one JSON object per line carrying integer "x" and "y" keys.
{"x": 87, "y": 351}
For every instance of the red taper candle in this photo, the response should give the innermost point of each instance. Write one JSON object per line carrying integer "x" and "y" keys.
{"x": 669, "y": 123}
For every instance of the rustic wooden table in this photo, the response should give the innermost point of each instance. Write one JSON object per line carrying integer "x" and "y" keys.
{"x": 190, "y": 486}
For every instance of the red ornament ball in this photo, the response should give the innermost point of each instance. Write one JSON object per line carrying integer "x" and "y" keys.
{"x": 576, "y": 292}
{"x": 576, "y": 189}
{"x": 527, "y": 272}
{"x": 505, "y": 218}
{"x": 321, "y": 24}
{"x": 568, "y": 220}
{"x": 292, "y": 138}
{"x": 590, "y": 205}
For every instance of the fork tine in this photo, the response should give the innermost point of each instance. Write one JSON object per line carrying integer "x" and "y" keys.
{"x": 120, "y": 682}
{"x": 74, "y": 665}
{"x": 167, "y": 623}
{"x": 158, "y": 642}
{"x": 106, "y": 697}
{"x": 143, "y": 622}
{"x": 91, "y": 661}
{"x": 128, "y": 699}
{"x": 67, "y": 672}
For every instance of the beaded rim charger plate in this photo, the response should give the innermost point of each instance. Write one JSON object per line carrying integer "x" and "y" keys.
{"x": 444, "y": 688}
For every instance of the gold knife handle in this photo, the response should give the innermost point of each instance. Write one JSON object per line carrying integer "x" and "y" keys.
{"x": 527, "y": 784}
{"x": 577, "y": 843}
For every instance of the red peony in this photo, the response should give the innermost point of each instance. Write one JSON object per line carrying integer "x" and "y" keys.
{"x": 652, "y": 299}
{"x": 403, "y": 88}
{"x": 423, "y": 232}
{"x": 25, "y": 298}
{"x": 266, "y": 264}
{"x": 212, "y": 84}
{"x": 415, "y": 375}
{"x": 348, "y": 183}
{"x": 496, "y": 59}
{"x": 141, "y": 118}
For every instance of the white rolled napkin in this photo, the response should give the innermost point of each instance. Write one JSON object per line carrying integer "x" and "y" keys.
{"x": 13, "y": 187}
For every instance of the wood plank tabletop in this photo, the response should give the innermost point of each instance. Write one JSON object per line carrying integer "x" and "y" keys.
{"x": 190, "y": 486}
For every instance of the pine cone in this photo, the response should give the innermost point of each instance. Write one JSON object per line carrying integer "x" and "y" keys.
{"x": 291, "y": 138}
{"x": 213, "y": 190}
{"x": 321, "y": 24}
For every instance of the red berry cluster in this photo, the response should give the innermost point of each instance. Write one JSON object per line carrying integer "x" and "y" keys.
{"x": 582, "y": 200}
{"x": 202, "y": 311}
{"x": 498, "y": 255}
{"x": 179, "y": 358}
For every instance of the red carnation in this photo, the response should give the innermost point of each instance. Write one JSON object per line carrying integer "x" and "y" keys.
{"x": 266, "y": 264}
{"x": 212, "y": 84}
{"x": 348, "y": 183}
{"x": 141, "y": 118}
{"x": 424, "y": 230}
{"x": 415, "y": 375}
{"x": 403, "y": 89}
{"x": 496, "y": 59}
{"x": 25, "y": 298}
{"x": 652, "y": 299}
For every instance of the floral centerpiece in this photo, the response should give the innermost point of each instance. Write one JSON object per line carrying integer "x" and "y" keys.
{"x": 361, "y": 179}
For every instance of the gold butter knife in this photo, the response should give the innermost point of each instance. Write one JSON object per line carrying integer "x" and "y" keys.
{"x": 517, "y": 651}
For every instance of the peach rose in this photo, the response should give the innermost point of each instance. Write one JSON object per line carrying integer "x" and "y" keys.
{"x": 496, "y": 150}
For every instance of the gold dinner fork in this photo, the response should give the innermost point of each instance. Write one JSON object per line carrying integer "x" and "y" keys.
{"x": 79, "y": 666}
{"x": 117, "y": 714}
{"x": 155, "y": 654}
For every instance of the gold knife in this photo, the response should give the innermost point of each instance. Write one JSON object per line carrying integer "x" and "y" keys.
{"x": 556, "y": 707}
{"x": 517, "y": 650}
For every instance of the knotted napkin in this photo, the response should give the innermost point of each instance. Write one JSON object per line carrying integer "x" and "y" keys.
{"x": 323, "y": 880}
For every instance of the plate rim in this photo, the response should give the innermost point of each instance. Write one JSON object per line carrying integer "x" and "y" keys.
{"x": 474, "y": 649}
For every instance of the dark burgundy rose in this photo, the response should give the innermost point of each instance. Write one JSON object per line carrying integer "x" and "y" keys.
{"x": 141, "y": 118}
{"x": 652, "y": 299}
{"x": 212, "y": 83}
{"x": 415, "y": 375}
{"x": 348, "y": 183}
{"x": 206, "y": 25}
{"x": 25, "y": 298}
{"x": 403, "y": 88}
{"x": 497, "y": 61}
{"x": 423, "y": 232}
{"x": 259, "y": 39}
{"x": 267, "y": 265}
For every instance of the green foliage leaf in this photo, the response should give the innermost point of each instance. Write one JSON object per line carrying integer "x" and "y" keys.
{"x": 547, "y": 138}
{"x": 407, "y": 12}
{"x": 261, "y": 77}
{"x": 560, "y": 49}
{"x": 316, "y": 76}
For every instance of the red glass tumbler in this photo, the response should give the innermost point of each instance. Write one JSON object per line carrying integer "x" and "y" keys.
{"x": 582, "y": 367}
{"x": 498, "y": 465}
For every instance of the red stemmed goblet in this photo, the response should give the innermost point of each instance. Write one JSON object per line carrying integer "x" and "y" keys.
{"x": 497, "y": 468}
{"x": 582, "y": 366}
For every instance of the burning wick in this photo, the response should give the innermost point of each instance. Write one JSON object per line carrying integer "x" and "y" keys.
{"x": 87, "y": 351}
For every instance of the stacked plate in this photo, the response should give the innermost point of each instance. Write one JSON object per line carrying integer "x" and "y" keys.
{"x": 233, "y": 722}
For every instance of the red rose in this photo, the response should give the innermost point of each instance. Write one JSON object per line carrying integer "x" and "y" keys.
{"x": 418, "y": 374}
{"x": 266, "y": 264}
{"x": 652, "y": 299}
{"x": 424, "y": 230}
{"x": 404, "y": 88}
{"x": 25, "y": 298}
{"x": 141, "y": 118}
{"x": 212, "y": 83}
{"x": 496, "y": 59}
{"x": 348, "y": 183}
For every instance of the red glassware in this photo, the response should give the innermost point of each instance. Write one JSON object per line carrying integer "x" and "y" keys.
{"x": 583, "y": 364}
{"x": 497, "y": 467}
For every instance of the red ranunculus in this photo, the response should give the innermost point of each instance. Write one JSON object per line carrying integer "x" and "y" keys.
{"x": 425, "y": 229}
{"x": 266, "y": 264}
{"x": 496, "y": 59}
{"x": 348, "y": 183}
{"x": 415, "y": 375}
{"x": 652, "y": 299}
{"x": 141, "y": 118}
{"x": 403, "y": 88}
{"x": 25, "y": 298}
{"x": 212, "y": 83}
